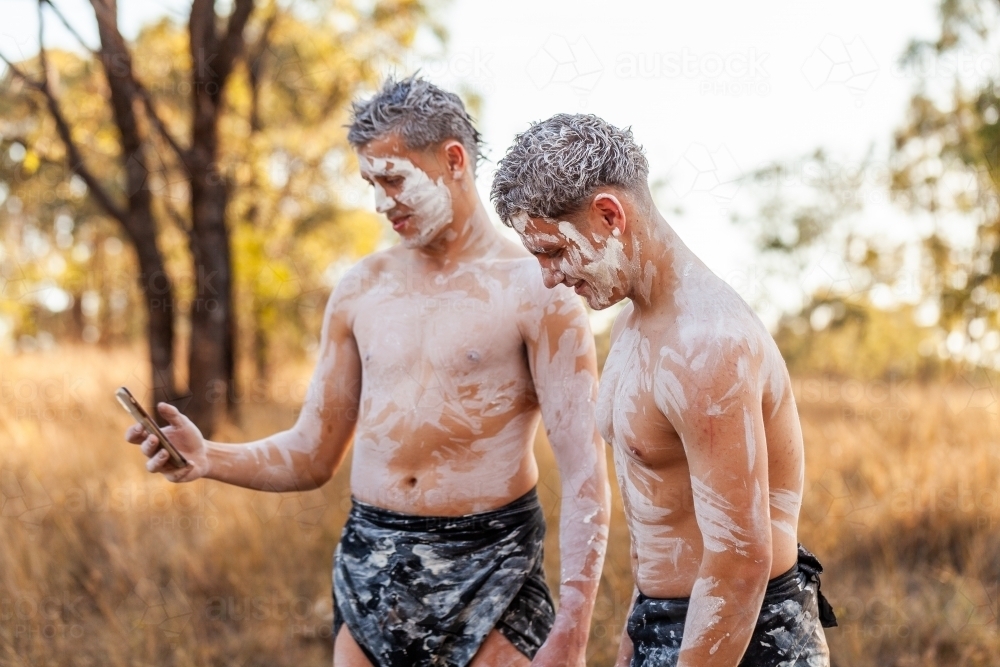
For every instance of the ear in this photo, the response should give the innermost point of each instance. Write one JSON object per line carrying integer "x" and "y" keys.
{"x": 456, "y": 158}
{"x": 611, "y": 213}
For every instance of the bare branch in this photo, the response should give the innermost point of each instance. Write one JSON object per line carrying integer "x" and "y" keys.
{"x": 232, "y": 45}
{"x": 255, "y": 69}
{"x": 69, "y": 26}
{"x": 178, "y": 218}
{"x": 161, "y": 128}
{"x": 76, "y": 163}
{"x": 31, "y": 83}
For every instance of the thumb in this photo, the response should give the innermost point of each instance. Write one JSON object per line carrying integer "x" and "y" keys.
{"x": 171, "y": 414}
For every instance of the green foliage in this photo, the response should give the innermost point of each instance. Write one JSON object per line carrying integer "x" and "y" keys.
{"x": 850, "y": 338}
{"x": 296, "y": 205}
{"x": 945, "y": 168}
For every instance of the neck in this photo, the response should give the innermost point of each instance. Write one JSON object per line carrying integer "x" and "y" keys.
{"x": 662, "y": 256}
{"x": 469, "y": 236}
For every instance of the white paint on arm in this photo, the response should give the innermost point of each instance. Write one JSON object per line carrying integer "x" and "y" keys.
{"x": 563, "y": 367}
{"x": 714, "y": 514}
{"x": 703, "y": 612}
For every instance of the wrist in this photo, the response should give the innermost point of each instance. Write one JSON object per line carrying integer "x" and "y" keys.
{"x": 209, "y": 452}
{"x": 572, "y": 633}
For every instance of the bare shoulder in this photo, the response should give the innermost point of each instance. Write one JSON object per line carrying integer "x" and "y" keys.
{"x": 715, "y": 351}
{"x": 533, "y": 296}
{"x": 361, "y": 279}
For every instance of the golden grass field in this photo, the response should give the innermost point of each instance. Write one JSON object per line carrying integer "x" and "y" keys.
{"x": 103, "y": 564}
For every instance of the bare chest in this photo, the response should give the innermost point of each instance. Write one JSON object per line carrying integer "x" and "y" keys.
{"x": 452, "y": 338}
{"x": 628, "y": 415}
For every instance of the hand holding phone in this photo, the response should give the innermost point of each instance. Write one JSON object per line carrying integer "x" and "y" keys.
{"x": 177, "y": 450}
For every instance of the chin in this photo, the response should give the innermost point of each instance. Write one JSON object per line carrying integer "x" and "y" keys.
{"x": 603, "y": 304}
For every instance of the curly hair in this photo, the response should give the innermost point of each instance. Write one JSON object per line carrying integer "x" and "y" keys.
{"x": 420, "y": 112}
{"x": 555, "y": 165}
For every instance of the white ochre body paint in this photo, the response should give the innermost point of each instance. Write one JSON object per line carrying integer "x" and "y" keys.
{"x": 430, "y": 201}
{"x": 692, "y": 390}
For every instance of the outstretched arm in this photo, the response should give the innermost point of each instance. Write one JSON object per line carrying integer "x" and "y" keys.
{"x": 300, "y": 458}
{"x": 717, "y": 412}
{"x": 564, "y": 369}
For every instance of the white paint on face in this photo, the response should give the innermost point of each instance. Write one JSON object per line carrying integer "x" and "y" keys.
{"x": 383, "y": 202}
{"x": 519, "y": 221}
{"x": 599, "y": 268}
{"x": 428, "y": 201}
{"x": 714, "y": 514}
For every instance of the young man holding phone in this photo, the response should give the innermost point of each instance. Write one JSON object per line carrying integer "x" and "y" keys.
{"x": 447, "y": 348}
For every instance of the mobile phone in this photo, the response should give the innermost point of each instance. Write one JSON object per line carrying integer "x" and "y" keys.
{"x": 132, "y": 406}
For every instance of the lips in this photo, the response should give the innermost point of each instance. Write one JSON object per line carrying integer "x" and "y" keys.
{"x": 400, "y": 222}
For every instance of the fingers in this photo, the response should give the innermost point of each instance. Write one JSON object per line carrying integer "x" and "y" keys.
{"x": 179, "y": 474}
{"x": 160, "y": 462}
{"x": 171, "y": 414}
{"x": 150, "y": 446}
{"x": 136, "y": 434}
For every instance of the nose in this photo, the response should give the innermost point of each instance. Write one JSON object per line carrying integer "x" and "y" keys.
{"x": 550, "y": 275}
{"x": 383, "y": 202}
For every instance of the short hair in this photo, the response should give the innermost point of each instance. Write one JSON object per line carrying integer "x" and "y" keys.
{"x": 421, "y": 113}
{"x": 556, "y": 164}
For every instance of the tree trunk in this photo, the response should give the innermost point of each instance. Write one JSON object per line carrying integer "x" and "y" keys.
{"x": 138, "y": 221}
{"x": 211, "y": 309}
{"x": 212, "y": 355}
{"x": 158, "y": 294}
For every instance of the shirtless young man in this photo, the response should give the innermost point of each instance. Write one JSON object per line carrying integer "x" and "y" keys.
{"x": 439, "y": 355}
{"x": 695, "y": 400}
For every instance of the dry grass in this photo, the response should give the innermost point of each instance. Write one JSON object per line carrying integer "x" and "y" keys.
{"x": 102, "y": 564}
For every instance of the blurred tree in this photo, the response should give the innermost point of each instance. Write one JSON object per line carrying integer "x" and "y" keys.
{"x": 947, "y": 157}
{"x": 260, "y": 96}
{"x": 945, "y": 165}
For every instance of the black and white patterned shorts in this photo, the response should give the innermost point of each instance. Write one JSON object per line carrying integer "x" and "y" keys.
{"x": 418, "y": 590}
{"x": 789, "y": 630}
